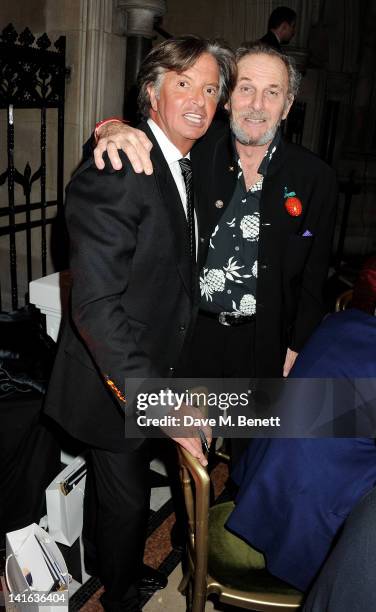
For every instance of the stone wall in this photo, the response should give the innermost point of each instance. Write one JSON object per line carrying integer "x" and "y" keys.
{"x": 341, "y": 66}
{"x": 95, "y": 57}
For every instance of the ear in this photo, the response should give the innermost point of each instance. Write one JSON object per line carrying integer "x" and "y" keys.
{"x": 288, "y": 105}
{"x": 227, "y": 106}
{"x": 153, "y": 97}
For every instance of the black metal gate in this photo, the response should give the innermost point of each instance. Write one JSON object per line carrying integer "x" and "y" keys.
{"x": 32, "y": 76}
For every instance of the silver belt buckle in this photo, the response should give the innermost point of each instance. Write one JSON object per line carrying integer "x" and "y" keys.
{"x": 222, "y": 319}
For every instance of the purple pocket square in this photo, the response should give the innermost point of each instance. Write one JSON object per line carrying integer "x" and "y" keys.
{"x": 307, "y": 234}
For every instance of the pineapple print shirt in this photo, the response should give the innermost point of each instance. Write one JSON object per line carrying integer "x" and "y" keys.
{"x": 228, "y": 279}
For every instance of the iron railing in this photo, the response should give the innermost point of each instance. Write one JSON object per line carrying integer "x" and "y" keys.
{"x": 32, "y": 76}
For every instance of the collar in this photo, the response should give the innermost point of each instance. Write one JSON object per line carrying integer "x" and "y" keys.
{"x": 170, "y": 152}
{"x": 269, "y": 153}
{"x": 276, "y": 35}
{"x": 262, "y": 169}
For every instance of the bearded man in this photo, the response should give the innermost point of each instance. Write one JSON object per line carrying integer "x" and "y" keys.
{"x": 266, "y": 211}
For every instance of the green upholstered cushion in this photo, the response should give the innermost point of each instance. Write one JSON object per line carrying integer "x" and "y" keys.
{"x": 233, "y": 562}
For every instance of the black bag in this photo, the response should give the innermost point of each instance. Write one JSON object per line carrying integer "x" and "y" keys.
{"x": 26, "y": 354}
{"x": 29, "y": 451}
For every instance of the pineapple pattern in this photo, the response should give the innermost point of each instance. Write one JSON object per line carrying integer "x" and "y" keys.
{"x": 247, "y": 305}
{"x": 249, "y": 226}
{"x": 211, "y": 281}
{"x": 229, "y": 277}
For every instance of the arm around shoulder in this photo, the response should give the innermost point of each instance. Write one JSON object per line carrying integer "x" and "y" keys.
{"x": 103, "y": 213}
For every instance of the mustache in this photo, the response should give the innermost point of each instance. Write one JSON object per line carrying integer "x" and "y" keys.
{"x": 256, "y": 115}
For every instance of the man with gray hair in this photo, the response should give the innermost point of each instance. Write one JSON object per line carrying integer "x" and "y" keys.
{"x": 266, "y": 213}
{"x": 132, "y": 260}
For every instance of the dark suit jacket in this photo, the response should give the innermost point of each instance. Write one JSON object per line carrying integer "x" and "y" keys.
{"x": 292, "y": 268}
{"x": 131, "y": 297}
{"x": 271, "y": 40}
{"x": 346, "y": 581}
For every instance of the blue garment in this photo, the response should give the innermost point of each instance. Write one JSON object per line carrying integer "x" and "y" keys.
{"x": 295, "y": 494}
{"x": 344, "y": 345}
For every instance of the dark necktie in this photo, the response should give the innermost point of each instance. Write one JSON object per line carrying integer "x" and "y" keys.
{"x": 186, "y": 168}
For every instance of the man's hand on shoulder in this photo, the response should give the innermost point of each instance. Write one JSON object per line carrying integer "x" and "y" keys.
{"x": 113, "y": 136}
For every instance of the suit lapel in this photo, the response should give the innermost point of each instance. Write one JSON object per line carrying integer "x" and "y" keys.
{"x": 170, "y": 198}
{"x": 215, "y": 172}
{"x": 216, "y": 182}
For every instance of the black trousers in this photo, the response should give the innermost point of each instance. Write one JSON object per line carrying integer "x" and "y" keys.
{"x": 116, "y": 510}
{"x": 29, "y": 461}
{"x": 220, "y": 351}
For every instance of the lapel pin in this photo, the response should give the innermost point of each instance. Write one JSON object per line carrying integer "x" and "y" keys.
{"x": 293, "y": 204}
{"x": 218, "y": 204}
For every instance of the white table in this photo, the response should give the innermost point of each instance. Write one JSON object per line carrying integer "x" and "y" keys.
{"x": 50, "y": 295}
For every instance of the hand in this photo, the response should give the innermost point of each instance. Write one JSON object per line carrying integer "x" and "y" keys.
{"x": 289, "y": 361}
{"x": 190, "y": 440}
{"x": 135, "y": 143}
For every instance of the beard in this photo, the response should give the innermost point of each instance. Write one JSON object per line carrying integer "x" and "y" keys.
{"x": 242, "y": 136}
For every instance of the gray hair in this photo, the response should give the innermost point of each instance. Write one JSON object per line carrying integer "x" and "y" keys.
{"x": 259, "y": 48}
{"x": 180, "y": 54}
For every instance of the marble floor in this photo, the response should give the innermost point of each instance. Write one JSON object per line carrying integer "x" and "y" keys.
{"x": 159, "y": 495}
{"x": 170, "y": 600}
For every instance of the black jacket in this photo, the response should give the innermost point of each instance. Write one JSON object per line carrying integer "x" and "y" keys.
{"x": 131, "y": 301}
{"x": 270, "y": 39}
{"x": 292, "y": 268}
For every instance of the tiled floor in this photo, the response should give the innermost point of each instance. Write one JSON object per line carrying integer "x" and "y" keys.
{"x": 170, "y": 600}
{"x": 159, "y": 495}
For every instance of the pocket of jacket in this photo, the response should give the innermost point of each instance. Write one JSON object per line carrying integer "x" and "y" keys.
{"x": 296, "y": 254}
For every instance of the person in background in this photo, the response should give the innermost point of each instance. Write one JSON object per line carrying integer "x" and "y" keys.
{"x": 281, "y": 27}
{"x": 364, "y": 293}
{"x": 347, "y": 580}
{"x": 295, "y": 494}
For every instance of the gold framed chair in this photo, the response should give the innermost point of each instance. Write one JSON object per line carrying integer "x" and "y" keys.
{"x": 344, "y": 300}
{"x": 219, "y": 562}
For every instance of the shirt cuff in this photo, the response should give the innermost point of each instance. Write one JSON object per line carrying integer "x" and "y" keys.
{"x": 109, "y": 120}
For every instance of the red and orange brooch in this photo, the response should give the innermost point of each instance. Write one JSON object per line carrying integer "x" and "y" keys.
{"x": 293, "y": 205}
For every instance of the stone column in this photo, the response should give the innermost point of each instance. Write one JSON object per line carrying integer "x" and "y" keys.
{"x": 140, "y": 16}
{"x": 95, "y": 50}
